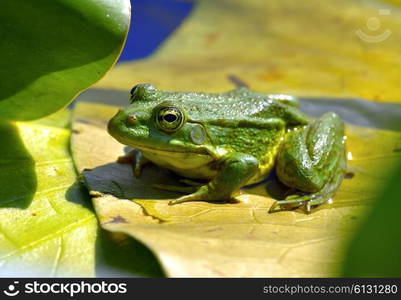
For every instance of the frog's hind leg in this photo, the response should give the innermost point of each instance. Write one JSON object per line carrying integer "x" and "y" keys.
{"x": 312, "y": 160}
{"x": 309, "y": 200}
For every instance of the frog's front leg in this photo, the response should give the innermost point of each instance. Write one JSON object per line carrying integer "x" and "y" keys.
{"x": 136, "y": 158}
{"x": 312, "y": 160}
{"x": 235, "y": 171}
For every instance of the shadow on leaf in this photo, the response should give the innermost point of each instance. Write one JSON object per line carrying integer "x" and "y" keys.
{"x": 117, "y": 255}
{"x": 117, "y": 179}
{"x": 17, "y": 171}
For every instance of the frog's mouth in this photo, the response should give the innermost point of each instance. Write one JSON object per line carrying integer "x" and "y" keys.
{"x": 167, "y": 148}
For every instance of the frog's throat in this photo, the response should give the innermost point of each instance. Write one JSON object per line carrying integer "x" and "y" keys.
{"x": 202, "y": 150}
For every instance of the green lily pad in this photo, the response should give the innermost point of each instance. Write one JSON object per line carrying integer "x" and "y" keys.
{"x": 375, "y": 249}
{"x": 46, "y": 226}
{"x": 53, "y": 49}
{"x": 308, "y": 48}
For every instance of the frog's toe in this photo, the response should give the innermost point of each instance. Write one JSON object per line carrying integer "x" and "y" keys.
{"x": 187, "y": 198}
{"x": 137, "y": 171}
{"x": 178, "y": 201}
{"x": 283, "y": 205}
{"x": 202, "y": 194}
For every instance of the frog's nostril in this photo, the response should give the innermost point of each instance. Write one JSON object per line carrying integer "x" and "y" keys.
{"x": 131, "y": 119}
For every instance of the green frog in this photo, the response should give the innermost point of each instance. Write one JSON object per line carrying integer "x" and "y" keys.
{"x": 232, "y": 139}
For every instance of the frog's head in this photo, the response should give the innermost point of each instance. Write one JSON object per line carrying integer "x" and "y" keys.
{"x": 155, "y": 122}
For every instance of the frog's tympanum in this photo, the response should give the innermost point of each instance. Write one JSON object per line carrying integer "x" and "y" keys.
{"x": 232, "y": 139}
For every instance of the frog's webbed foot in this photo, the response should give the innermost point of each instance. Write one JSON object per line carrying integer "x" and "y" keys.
{"x": 309, "y": 201}
{"x": 136, "y": 158}
{"x": 312, "y": 160}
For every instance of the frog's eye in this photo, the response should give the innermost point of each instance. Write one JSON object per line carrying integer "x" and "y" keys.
{"x": 133, "y": 89}
{"x": 141, "y": 91}
{"x": 170, "y": 119}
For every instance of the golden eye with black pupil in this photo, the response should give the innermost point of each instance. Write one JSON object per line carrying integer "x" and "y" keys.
{"x": 170, "y": 119}
{"x": 132, "y": 92}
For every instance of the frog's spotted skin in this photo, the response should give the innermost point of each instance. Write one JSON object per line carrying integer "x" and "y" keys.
{"x": 232, "y": 139}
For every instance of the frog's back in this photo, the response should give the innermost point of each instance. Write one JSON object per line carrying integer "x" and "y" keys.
{"x": 237, "y": 104}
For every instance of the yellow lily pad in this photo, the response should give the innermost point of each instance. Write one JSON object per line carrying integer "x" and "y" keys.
{"x": 308, "y": 48}
{"x": 337, "y": 48}
{"x": 228, "y": 239}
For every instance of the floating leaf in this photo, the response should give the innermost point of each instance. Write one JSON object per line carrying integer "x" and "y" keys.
{"x": 242, "y": 239}
{"x": 304, "y": 47}
{"x": 53, "y": 49}
{"x": 46, "y": 226}
{"x": 308, "y": 48}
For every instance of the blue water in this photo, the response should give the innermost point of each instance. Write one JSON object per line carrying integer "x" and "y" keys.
{"x": 151, "y": 23}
